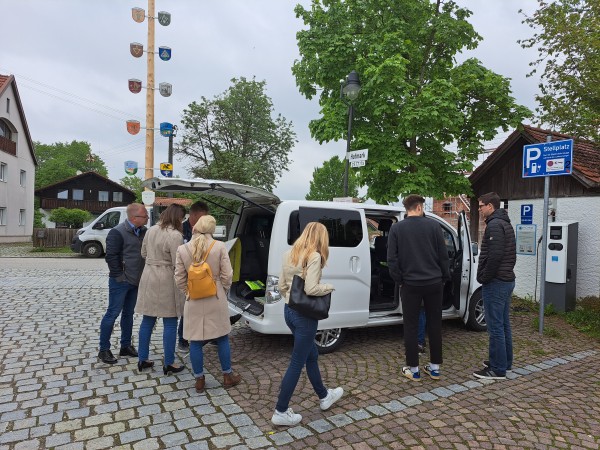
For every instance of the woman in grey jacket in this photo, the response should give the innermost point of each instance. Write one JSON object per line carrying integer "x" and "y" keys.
{"x": 306, "y": 258}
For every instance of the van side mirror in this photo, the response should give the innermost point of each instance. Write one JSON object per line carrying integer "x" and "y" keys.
{"x": 475, "y": 248}
{"x": 98, "y": 226}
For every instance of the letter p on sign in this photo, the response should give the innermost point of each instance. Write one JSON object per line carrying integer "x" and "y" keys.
{"x": 532, "y": 154}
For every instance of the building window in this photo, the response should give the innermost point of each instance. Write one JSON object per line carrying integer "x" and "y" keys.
{"x": 8, "y": 106}
{"x": 5, "y": 131}
{"x": 23, "y": 178}
{"x": 102, "y": 196}
{"x": 447, "y": 207}
{"x": 117, "y": 196}
{"x": 77, "y": 194}
{"x": 3, "y": 172}
{"x": 2, "y": 216}
{"x": 63, "y": 195}
{"x": 21, "y": 217}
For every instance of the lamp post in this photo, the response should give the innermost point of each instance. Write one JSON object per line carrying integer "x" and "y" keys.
{"x": 349, "y": 90}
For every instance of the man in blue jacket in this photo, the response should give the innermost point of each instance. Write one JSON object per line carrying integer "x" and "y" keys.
{"x": 125, "y": 265}
{"x": 418, "y": 262}
{"x": 496, "y": 274}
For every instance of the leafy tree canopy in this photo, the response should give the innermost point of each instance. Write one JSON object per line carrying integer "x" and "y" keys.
{"x": 59, "y": 161}
{"x": 415, "y": 99}
{"x": 236, "y": 137}
{"x": 328, "y": 180}
{"x": 567, "y": 38}
{"x": 133, "y": 183}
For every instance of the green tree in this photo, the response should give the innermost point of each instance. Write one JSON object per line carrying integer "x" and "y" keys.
{"x": 72, "y": 218}
{"x": 567, "y": 38}
{"x": 235, "y": 136}
{"x": 328, "y": 180}
{"x": 415, "y": 99}
{"x": 59, "y": 161}
{"x": 134, "y": 183}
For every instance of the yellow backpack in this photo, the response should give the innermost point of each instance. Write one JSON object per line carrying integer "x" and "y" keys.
{"x": 201, "y": 283}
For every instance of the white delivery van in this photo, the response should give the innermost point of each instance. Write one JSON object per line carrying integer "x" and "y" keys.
{"x": 365, "y": 295}
{"x": 91, "y": 239}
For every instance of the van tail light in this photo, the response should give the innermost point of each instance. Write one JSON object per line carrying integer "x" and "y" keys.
{"x": 272, "y": 294}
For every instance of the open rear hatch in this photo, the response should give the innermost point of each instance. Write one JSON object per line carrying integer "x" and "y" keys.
{"x": 246, "y": 292}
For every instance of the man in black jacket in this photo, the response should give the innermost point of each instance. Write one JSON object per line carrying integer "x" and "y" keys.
{"x": 125, "y": 266}
{"x": 418, "y": 262}
{"x": 495, "y": 272}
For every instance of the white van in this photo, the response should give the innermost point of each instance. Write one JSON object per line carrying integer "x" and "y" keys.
{"x": 365, "y": 295}
{"x": 91, "y": 239}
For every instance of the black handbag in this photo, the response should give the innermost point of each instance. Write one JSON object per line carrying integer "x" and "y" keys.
{"x": 313, "y": 306}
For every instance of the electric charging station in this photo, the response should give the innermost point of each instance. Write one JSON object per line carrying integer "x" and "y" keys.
{"x": 561, "y": 265}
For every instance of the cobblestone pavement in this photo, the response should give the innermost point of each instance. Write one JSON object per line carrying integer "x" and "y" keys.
{"x": 55, "y": 394}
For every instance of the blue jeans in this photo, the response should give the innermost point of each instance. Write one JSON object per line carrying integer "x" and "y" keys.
{"x": 422, "y": 323}
{"x": 180, "y": 330}
{"x": 496, "y": 301}
{"x": 169, "y": 338}
{"x": 197, "y": 355}
{"x": 122, "y": 297}
{"x": 304, "y": 353}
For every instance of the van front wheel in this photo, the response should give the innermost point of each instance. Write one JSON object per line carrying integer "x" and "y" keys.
{"x": 92, "y": 250}
{"x": 476, "y": 320}
{"x": 328, "y": 341}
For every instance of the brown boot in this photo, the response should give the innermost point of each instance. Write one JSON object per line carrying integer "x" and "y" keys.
{"x": 231, "y": 379}
{"x": 200, "y": 382}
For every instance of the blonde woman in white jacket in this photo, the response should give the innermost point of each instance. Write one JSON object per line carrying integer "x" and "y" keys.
{"x": 306, "y": 258}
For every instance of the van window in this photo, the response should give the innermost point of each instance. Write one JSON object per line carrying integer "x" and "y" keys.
{"x": 111, "y": 219}
{"x": 344, "y": 227}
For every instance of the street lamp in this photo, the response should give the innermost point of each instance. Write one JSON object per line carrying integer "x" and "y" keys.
{"x": 349, "y": 90}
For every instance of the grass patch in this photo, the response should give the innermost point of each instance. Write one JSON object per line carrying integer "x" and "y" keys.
{"x": 51, "y": 250}
{"x": 548, "y": 330}
{"x": 586, "y": 317}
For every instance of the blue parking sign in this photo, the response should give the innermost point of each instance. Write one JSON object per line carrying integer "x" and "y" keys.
{"x": 527, "y": 214}
{"x": 548, "y": 159}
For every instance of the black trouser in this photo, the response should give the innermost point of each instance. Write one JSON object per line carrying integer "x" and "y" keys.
{"x": 431, "y": 297}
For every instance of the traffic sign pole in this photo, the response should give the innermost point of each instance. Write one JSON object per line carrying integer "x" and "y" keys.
{"x": 544, "y": 246}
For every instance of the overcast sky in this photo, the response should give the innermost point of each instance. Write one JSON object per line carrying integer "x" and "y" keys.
{"x": 71, "y": 61}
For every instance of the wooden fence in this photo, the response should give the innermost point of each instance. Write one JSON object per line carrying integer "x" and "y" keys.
{"x": 53, "y": 237}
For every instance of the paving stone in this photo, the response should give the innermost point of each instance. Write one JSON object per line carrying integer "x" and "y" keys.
{"x": 359, "y": 414}
{"x": 147, "y": 444}
{"x": 199, "y": 433}
{"x": 442, "y": 392}
{"x": 113, "y": 428}
{"x": 281, "y": 438}
{"x": 161, "y": 429}
{"x": 171, "y": 440}
{"x": 239, "y": 420}
{"x": 340, "y": 420}
{"x": 51, "y": 418}
{"x": 132, "y": 436}
{"x": 213, "y": 418}
{"x": 378, "y": 410}
{"x": 86, "y": 434}
{"x": 410, "y": 400}
{"x": 201, "y": 445}
{"x": 103, "y": 442}
{"x": 394, "y": 406}
{"x": 32, "y": 444}
{"x": 222, "y": 428}
{"x": 225, "y": 441}
{"x": 14, "y": 436}
{"x": 257, "y": 442}
{"x": 68, "y": 425}
{"x": 189, "y": 422}
{"x": 320, "y": 426}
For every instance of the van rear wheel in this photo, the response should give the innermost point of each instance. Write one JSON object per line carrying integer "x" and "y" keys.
{"x": 92, "y": 250}
{"x": 328, "y": 341}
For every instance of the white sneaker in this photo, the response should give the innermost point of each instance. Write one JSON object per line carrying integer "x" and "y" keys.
{"x": 287, "y": 418}
{"x": 333, "y": 395}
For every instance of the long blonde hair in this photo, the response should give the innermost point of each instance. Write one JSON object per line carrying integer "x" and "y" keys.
{"x": 203, "y": 230}
{"x": 314, "y": 238}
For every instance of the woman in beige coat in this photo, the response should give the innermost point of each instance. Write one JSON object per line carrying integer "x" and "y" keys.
{"x": 158, "y": 296}
{"x": 207, "y": 318}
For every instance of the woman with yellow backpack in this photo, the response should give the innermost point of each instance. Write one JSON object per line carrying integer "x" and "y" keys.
{"x": 206, "y": 315}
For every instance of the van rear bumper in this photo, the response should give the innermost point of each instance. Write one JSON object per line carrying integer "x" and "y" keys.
{"x": 76, "y": 244}
{"x": 268, "y": 321}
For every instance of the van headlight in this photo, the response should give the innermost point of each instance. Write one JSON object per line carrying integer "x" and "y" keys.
{"x": 80, "y": 232}
{"x": 272, "y": 294}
